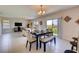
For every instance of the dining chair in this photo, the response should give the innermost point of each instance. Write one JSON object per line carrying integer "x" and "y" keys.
{"x": 24, "y": 32}
{"x": 46, "y": 40}
{"x": 30, "y": 39}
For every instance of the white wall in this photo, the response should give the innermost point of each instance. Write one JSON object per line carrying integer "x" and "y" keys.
{"x": 69, "y": 29}
{"x": 0, "y": 27}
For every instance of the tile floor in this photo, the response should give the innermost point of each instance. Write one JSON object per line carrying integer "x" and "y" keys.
{"x": 15, "y": 43}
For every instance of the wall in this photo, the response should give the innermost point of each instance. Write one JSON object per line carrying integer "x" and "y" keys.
{"x": 0, "y": 27}
{"x": 69, "y": 29}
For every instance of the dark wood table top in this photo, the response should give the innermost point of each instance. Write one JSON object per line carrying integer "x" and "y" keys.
{"x": 42, "y": 33}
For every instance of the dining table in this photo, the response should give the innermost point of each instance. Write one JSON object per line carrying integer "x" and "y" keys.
{"x": 38, "y": 35}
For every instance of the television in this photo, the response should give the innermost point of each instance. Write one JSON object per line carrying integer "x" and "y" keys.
{"x": 18, "y": 24}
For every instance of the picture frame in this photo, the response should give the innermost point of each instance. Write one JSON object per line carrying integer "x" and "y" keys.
{"x": 77, "y": 21}
{"x": 67, "y": 18}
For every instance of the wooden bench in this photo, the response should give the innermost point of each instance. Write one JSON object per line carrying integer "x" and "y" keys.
{"x": 46, "y": 40}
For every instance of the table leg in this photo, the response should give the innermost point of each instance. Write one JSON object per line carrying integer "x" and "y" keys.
{"x": 55, "y": 40}
{"x": 44, "y": 47}
{"x": 37, "y": 43}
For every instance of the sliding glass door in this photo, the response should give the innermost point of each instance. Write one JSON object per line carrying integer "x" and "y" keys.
{"x": 52, "y": 25}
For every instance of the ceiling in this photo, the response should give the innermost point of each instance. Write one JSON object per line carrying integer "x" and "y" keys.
{"x": 29, "y": 11}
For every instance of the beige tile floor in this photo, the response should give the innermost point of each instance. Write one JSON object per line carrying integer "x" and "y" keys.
{"x": 15, "y": 43}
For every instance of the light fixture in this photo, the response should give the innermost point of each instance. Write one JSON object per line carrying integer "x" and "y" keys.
{"x": 41, "y": 11}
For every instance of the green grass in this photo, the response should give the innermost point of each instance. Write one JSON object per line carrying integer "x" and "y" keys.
{"x": 53, "y": 29}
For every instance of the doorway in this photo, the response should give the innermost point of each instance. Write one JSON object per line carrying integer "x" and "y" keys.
{"x": 52, "y": 25}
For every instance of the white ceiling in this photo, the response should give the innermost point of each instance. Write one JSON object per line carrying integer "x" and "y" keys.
{"x": 29, "y": 11}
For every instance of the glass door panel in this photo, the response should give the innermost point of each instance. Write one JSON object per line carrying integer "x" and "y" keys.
{"x": 6, "y": 26}
{"x": 52, "y": 25}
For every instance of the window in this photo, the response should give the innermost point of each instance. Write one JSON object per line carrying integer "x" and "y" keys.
{"x": 6, "y": 24}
